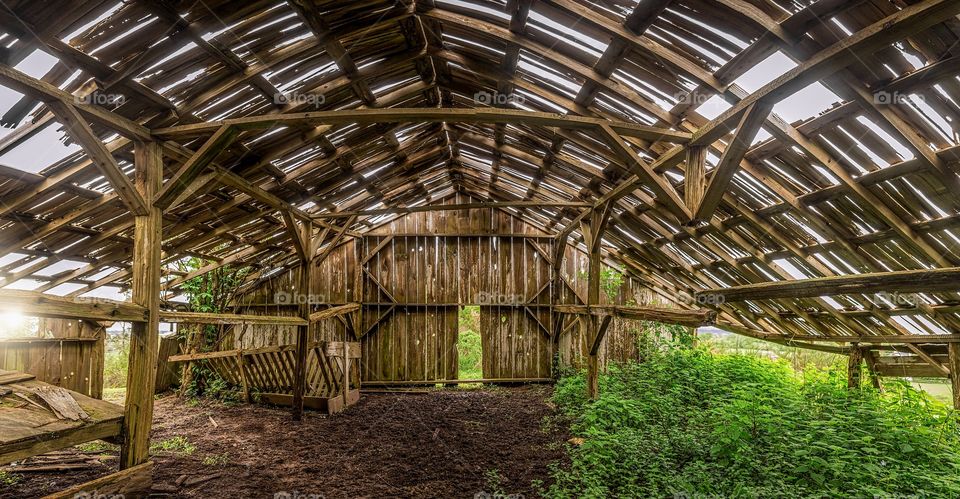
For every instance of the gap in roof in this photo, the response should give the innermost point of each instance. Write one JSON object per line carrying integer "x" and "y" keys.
{"x": 478, "y": 8}
{"x": 39, "y": 151}
{"x": 765, "y": 71}
{"x": 566, "y": 34}
{"x": 84, "y": 27}
{"x": 37, "y": 63}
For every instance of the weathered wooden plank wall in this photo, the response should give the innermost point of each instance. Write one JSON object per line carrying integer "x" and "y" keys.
{"x": 419, "y": 270}
{"x": 67, "y": 353}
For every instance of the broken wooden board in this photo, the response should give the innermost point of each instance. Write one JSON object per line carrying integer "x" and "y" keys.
{"x": 131, "y": 482}
{"x": 29, "y": 429}
{"x": 8, "y": 377}
{"x": 61, "y": 403}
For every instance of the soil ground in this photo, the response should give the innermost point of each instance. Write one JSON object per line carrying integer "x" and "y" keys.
{"x": 444, "y": 443}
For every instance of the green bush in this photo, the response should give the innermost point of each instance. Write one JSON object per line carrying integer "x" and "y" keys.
{"x": 689, "y": 422}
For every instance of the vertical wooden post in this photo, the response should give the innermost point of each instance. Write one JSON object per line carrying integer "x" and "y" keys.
{"x": 303, "y": 332}
{"x": 870, "y": 357}
{"x": 144, "y": 336}
{"x": 953, "y": 361}
{"x": 556, "y": 285}
{"x": 593, "y": 233}
{"x": 593, "y": 298}
{"x": 346, "y": 373}
{"x": 853, "y": 366}
{"x": 695, "y": 177}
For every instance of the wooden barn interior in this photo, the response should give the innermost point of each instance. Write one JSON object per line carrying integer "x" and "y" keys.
{"x": 778, "y": 169}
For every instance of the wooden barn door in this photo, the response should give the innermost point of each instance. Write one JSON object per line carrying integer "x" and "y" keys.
{"x": 409, "y": 318}
{"x": 515, "y": 321}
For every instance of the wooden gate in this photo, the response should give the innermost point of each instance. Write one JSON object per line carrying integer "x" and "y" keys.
{"x": 266, "y": 374}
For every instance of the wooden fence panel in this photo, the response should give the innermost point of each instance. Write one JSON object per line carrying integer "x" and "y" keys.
{"x": 72, "y": 363}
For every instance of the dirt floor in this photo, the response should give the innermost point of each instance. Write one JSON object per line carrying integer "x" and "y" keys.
{"x": 449, "y": 443}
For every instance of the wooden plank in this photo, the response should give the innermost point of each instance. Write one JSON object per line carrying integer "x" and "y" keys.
{"x": 60, "y": 439}
{"x": 131, "y": 482}
{"x": 904, "y": 281}
{"x": 81, "y": 132}
{"x": 209, "y": 318}
{"x": 332, "y": 312}
{"x": 35, "y": 304}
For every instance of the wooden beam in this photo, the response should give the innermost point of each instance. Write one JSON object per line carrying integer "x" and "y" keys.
{"x": 81, "y": 132}
{"x": 41, "y": 90}
{"x": 33, "y": 304}
{"x": 750, "y": 123}
{"x": 601, "y": 332}
{"x": 451, "y": 207}
{"x": 193, "y": 167}
{"x": 207, "y": 318}
{"x": 131, "y": 482}
{"x": 296, "y": 234}
{"x": 665, "y": 192}
{"x": 144, "y": 336}
{"x": 904, "y": 281}
{"x": 305, "y": 290}
{"x": 318, "y": 259}
{"x": 681, "y": 317}
{"x": 430, "y": 115}
{"x": 332, "y": 312}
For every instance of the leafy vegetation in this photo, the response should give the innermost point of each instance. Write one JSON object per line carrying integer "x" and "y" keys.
{"x": 469, "y": 346}
{"x": 217, "y": 459}
{"x": 115, "y": 359}
{"x": 611, "y": 280}
{"x": 210, "y": 293}
{"x": 688, "y": 422}
{"x": 799, "y": 358}
{"x": 9, "y": 479}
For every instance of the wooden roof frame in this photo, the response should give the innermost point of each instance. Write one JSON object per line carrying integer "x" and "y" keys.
{"x": 633, "y": 185}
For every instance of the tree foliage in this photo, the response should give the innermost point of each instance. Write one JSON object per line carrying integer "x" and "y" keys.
{"x": 211, "y": 292}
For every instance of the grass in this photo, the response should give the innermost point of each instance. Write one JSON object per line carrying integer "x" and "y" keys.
{"x": 178, "y": 446}
{"x": 689, "y": 422}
